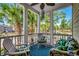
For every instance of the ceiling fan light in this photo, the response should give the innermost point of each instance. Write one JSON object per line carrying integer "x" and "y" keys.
{"x": 42, "y": 6}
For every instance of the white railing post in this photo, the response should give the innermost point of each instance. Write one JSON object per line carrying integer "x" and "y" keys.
{"x": 38, "y": 26}
{"x": 51, "y": 28}
{"x": 0, "y": 46}
{"x": 25, "y": 25}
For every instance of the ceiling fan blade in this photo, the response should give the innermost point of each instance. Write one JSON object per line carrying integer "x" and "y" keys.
{"x": 50, "y": 4}
{"x": 34, "y": 4}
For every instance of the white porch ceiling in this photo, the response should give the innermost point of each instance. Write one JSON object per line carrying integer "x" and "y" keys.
{"x": 49, "y": 8}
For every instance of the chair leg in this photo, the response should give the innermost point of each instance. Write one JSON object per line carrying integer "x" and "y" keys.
{"x": 26, "y": 54}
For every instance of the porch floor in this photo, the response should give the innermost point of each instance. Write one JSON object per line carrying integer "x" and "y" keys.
{"x": 39, "y": 51}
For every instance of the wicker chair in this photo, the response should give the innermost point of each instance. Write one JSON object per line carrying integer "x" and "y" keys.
{"x": 10, "y": 48}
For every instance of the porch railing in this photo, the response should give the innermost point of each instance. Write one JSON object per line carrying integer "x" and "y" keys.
{"x": 19, "y": 39}
{"x": 57, "y": 37}
{"x": 16, "y": 39}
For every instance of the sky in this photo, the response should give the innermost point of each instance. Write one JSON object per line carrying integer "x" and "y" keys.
{"x": 68, "y": 12}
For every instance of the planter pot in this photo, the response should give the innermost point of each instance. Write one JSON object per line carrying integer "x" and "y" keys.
{"x": 57, "y": 52}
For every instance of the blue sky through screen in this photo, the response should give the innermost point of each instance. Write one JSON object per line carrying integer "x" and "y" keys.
{"x": 67, "y": 11}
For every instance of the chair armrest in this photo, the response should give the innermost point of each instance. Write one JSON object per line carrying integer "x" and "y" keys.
{"x": 21, "y": 44}
{"x": 17, "y": 53}
{"x": 23, "y": 49}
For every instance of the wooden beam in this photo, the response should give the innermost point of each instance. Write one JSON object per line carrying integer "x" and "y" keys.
{"x": 51, "y": 28}
{"x": 62, "y": 6}
{"x": 25, "y": 24}
{"x": 0, "y": 46}
{"x": 38, "y": 24}
{"x": 30, "y": 7}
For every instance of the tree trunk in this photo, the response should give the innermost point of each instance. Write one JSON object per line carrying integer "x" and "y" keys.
{"x": 18, "y": 31}
{"x": 31, "y": 29}
{"x": 18, "y": 28}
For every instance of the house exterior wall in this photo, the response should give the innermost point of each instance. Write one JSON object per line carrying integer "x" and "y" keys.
{"x": 76, "y": 21}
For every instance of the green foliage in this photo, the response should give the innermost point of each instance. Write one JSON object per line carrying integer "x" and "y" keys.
{"x": 73, "y": 43}
{"x": 63, "y": 24}
{"x": 1, "y": 14}
{"x": 32, "y": 17}
{"x": 2, "y": 49}
{"x": 45, "y": 24}
{"x": 32, "y": 20}
{"x": 63, "y": 44}
{"x": 11, "y": 12}
{"x": 60, "y": 21}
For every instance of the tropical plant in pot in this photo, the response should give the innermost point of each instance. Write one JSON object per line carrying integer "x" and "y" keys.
{"x": 64, "y": 44}
{"x": 61, "y": 44}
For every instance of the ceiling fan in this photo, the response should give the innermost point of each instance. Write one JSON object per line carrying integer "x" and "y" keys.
{"x": 42, "y": 5}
